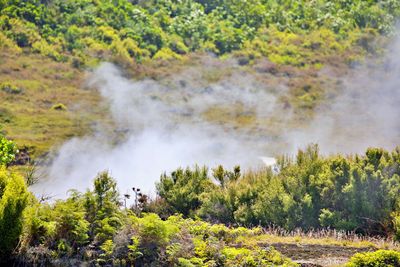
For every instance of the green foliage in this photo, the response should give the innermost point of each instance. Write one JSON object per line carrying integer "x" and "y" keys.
{"x": 53, "y": 232}
{"x": 153, "y": 229}
{"x": 66, "y": 226}
{"x": 380, "y": 258}
{"x": 135, "y": 30}
{"x": 183, "y": 188}
{"x": 8, "y": 150}
{"x": 61, "y": 227}
{"x": 7, "y": 43}
{"x": 59, "y": 106}
{"x": 358, "y": 193}
{"x": 13, "y": 200}
{"x": 166, "y": 54}
{"x": 102, "y": 208}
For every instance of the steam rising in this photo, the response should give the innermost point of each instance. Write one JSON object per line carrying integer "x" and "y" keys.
{"x": 365, "y": 114}
{"x": 160, "y": 128}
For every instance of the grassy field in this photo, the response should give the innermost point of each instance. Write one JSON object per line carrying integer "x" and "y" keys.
{"x": 49, "y": 106}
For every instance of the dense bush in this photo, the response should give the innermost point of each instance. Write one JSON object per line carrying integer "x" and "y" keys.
{"x": 10, "y": 88}
{"x": 91, "y": 228}
{"x": 380, "y": 258}
{"x": 183, "y": 189}
{"x": 355, "y": 193}
{"x": 13, "y": 200}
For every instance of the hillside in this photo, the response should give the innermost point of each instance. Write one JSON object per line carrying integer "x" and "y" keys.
{"x": 47, "y": 46}
{"x": 247, "y": 126}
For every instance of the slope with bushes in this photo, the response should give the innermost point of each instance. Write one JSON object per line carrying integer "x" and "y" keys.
{"x": 47, "y": 45}
{"x": 84, "y": 31}
{"x": 352, "y": 193}
{"x": 92, "y": 228}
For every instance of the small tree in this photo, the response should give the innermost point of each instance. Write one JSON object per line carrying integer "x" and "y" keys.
{"x": 102, "y": 207}
{"x": 182, "y": 189}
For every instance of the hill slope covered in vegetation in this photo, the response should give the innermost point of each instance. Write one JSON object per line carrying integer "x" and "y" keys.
{"x": 87, "y": 30}
{"x": 302, "y": 52}
{"x": 46, "y": 45}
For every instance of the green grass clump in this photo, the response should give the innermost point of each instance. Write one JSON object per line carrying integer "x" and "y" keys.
{"x": 59, "y": 106}
{"x": 10, "y": 88}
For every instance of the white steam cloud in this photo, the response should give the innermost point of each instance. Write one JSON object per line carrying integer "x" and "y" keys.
{"x": 159, "y": 128}
{"x": 365, "y": 114}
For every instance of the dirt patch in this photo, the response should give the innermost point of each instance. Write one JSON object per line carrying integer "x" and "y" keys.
{"x": 306, "y": 264}
{"x": 318, "y": 255}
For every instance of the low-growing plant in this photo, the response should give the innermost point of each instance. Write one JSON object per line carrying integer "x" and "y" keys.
{"x": 59, "y": 106}
{"x": 10, "y": 88}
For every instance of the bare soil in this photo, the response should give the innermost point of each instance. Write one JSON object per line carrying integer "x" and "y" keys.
{"x": 312, "y": 255}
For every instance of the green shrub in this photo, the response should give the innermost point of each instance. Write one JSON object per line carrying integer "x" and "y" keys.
{"x": 310, "y": 191}
{"x": 44, "y": 48}
{"x": 183, "y": 188}
{"x": 380, "y": 258}
{"x": 24, "y": 33}
{"x": 8, "y": 149}
{"x": 13, "y": 200}
{"x": 7, "y": 43}
{"x": 59, "y": 106}
{"x": 60, "y": 29}
{"x": 166, "y": 54}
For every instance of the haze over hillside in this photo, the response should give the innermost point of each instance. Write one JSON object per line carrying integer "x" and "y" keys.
{"x": 159, "y": 127}
{"x": 199, "y": 133}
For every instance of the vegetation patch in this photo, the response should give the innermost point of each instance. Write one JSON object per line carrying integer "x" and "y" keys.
{"x": 378, "y": 258}
{"x": 10, "y": 88}
{"x": 59, "y": 106}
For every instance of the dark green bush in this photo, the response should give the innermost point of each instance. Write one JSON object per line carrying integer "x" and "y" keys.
{"x": 356, "y": 193}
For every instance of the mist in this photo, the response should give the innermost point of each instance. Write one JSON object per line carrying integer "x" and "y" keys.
{"x": 160, "y": 127}
{"x": 365, "y": 114}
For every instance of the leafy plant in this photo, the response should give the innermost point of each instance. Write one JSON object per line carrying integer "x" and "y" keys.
{"x": 8, "y": 149}
{"x": 13, "y": 200}
{"x": 380, "y": 258}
